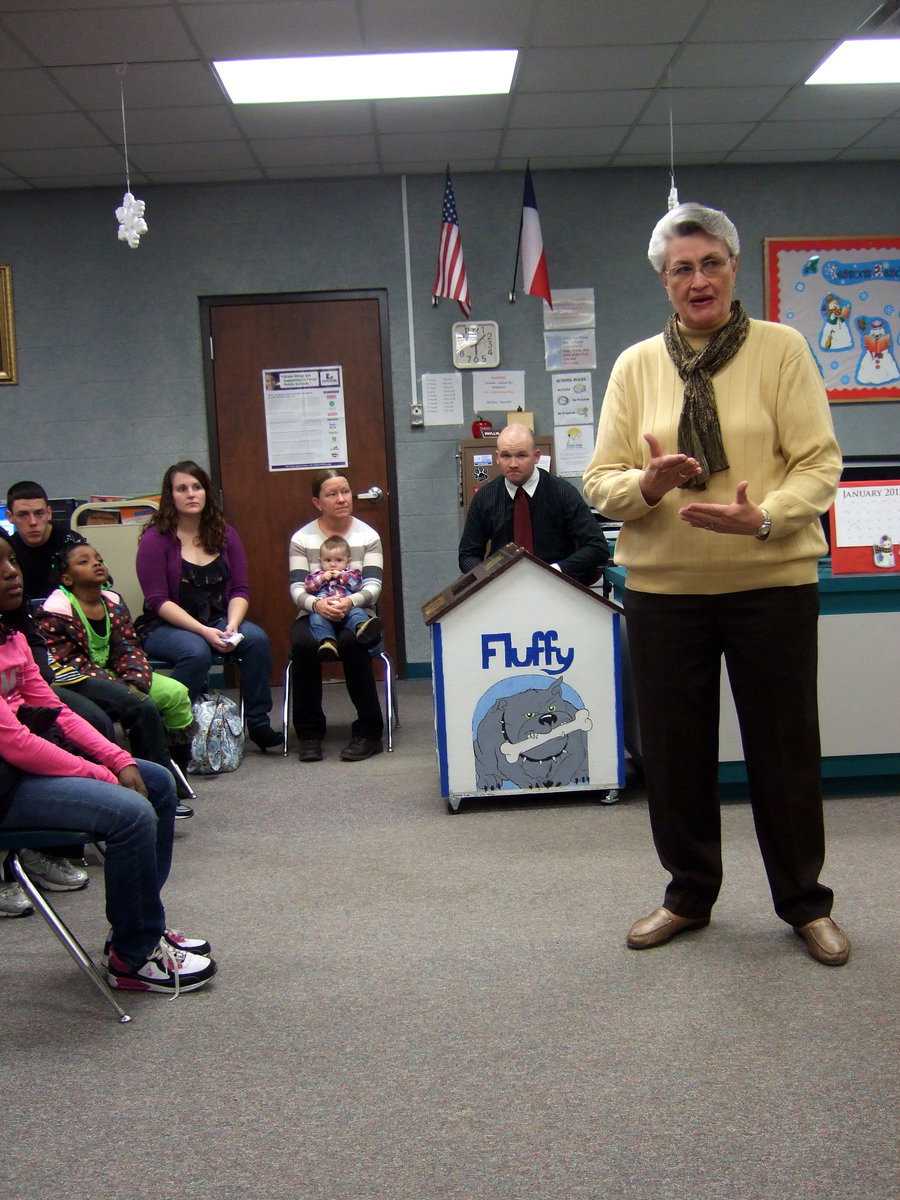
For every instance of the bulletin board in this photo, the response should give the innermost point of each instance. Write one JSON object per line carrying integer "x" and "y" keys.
{"x": 843, "y": 295}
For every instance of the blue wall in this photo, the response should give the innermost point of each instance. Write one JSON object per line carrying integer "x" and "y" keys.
{"x": 111, "y": 384}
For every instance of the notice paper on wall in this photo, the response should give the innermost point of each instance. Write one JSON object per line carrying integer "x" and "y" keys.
{"x": 865, "y": 527}
{"x": 570, "y": 350}
{"x": 573, "y": 308}
{"x": 498, "y": 390}
{"x": 305, "y": 422}
{"x": 574, "y": 445}
{"x": 442, "y": 399}
{"x": 572, "y": 399}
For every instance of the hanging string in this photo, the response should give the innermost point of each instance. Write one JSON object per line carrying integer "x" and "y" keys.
{"x": 130, "y": 213}
{"x": 673, "y": 191}
{"x": 121, "y": 71}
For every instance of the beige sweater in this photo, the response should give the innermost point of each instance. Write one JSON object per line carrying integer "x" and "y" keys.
{"x": 778, "y": 435}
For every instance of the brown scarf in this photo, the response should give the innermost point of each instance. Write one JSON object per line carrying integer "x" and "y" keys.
{"x": 699, "y": 434}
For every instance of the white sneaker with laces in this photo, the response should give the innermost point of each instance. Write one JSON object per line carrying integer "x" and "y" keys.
{"x": 13, "y": 901}
{"x": 175, "y": 939}
{"x": 53, "y": 874}
{"x": 166, "y": 970}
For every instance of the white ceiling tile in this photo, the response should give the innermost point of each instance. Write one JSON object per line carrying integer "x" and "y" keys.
{"x": 151, "y": 157}
{"x": 11, "y": 57}
{"x": 583, "y": 142}
{"x": 146, "y": 85}
{"x": 41, "y": 131}
{"x": 561, "y": 109}
{"x": 82, "y": 36}
{"x": 149, "y": 125}
{"x": 697, "y": 159}
{"x": 722, "y": 135}
{"x": 80, "y": 161}
{"x": 775, "y": 20}
{"x": 885, "y": 135}
{"x": 444, "y": 113}
{"x": 779, "y": 156}
{"x": 275, "y": 30}
{"x": 583, "y": 69}
{"x": 275, "y": 152}
{"x": 748, "y": 64}
{"x": 840, "y": 100}
{"x": 30, "y": 92}
{"x": 417, "y": 25}
{"x": 471, "y": 143}
{"x": 708, "y": 104}
{"x": 295, "y": 120}
{"x": 806, "y": 135}
{"x": 581, "y": 22}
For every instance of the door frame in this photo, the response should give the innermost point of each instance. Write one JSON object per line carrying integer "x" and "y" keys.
{"x": 380, "y": 295}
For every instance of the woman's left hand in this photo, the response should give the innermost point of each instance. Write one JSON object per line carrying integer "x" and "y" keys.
{"x": 741, "y": 517}
{"x": 130, "y": 777}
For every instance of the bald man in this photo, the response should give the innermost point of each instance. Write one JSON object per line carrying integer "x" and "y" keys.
{"x": 566, "y": 535}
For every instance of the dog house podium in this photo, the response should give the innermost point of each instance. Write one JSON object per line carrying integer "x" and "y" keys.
{"x": 527, "y": 683}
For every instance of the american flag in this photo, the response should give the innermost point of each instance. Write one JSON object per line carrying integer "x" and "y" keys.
{"x": 450, "y": 280}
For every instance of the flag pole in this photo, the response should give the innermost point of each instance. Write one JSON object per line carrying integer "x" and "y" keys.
{"x": 512, "y": 291}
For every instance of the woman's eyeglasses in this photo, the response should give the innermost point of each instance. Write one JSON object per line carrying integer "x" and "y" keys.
{"x": 709, "y": 268}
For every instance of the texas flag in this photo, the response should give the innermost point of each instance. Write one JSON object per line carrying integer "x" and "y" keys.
{"x": 534, "y": 260}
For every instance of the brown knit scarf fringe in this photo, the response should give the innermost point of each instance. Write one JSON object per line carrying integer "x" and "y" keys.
{"x": 699, "y": 434}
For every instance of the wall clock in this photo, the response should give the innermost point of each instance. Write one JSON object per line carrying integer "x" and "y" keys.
{"x": 475, "y": 344}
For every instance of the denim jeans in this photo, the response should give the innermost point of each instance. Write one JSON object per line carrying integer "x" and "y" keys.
{"x": 135, "y": 711}
{"x": 138, "y": 834}
{"x": 191, "y": 657}
{"x": 323, "y": 628}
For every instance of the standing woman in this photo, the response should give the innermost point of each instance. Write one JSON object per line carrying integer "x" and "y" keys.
{"x": 193, "y": 572}
{"x": 332, "y": 496}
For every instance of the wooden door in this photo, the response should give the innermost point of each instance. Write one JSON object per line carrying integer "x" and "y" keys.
{"x": 245, "y": 335}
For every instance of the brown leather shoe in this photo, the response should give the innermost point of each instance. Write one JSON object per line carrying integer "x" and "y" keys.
{"x": 825, "y": 941}
{"x": 661, "y": 926}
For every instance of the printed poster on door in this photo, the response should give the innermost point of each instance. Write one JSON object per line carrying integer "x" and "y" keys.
{"x": 305, "y": 422}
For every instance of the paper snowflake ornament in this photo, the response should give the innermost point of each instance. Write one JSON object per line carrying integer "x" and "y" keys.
{"x": 130, "y": 216}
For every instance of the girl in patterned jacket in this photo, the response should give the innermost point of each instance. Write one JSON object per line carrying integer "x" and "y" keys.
{"x": 97, "y": 653}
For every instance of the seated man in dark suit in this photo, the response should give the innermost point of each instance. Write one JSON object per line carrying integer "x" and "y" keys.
{"x": 563, "y": 530}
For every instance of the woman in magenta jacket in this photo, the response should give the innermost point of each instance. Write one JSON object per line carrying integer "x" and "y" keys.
{"x": 193, "y": 572}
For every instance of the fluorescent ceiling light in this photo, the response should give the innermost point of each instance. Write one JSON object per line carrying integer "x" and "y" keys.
{"x": 863, "y": 60}
{"x": 367, "y": 76}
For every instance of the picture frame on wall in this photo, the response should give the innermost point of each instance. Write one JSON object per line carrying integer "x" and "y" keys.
{"x": 8, "y": 369}
{"x": 843, "y": 295}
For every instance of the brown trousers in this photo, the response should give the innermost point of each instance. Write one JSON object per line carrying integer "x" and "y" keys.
{"x": 768, "y": 638}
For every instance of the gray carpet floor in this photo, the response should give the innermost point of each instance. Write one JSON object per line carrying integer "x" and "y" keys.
{"x": 413, "y": 1005}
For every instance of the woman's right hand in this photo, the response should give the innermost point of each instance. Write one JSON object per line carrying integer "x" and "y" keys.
{"x": 330, "y": 608}
{"x": 664, "y": 472}
{"x": 216, "y": 639}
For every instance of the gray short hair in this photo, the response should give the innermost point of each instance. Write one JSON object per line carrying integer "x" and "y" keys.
{"x": 690, "y": 218}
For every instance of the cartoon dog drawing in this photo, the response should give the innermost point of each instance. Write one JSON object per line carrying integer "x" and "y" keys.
{"x": 534, "y": 738}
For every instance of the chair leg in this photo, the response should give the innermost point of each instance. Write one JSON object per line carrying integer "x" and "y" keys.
{"x": 390, "y": 699}
{"x": 68, "y": 939}
{"x": 190, "y": 794}
{"x": 286, "y": 707}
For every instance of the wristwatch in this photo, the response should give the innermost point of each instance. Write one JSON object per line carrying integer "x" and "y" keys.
{"x": 763, "y": 532}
